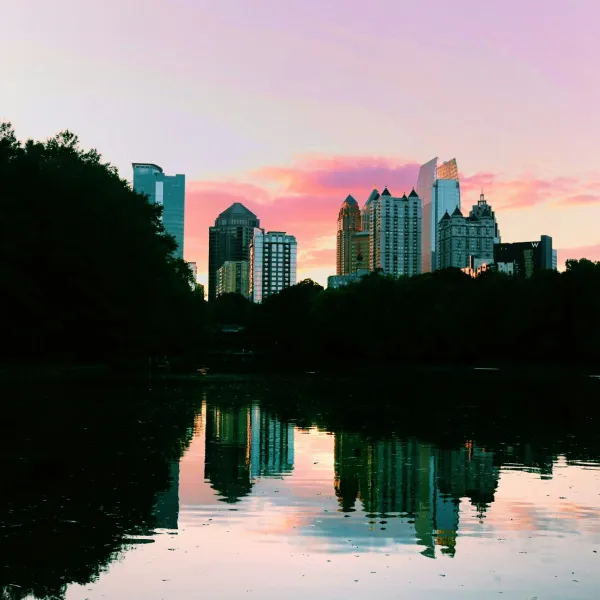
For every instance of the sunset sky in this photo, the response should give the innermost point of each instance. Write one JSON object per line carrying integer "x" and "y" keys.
{"x": 290, "y": 106}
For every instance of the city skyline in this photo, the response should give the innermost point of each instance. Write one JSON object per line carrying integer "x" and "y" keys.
{"x": 291, "y": 141}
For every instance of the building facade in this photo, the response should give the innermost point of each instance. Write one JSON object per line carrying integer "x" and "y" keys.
{"x": 524, "y": 258}
{"x": 349, "y": 222}
{"x": 273, "y": 257}
{"x": 366, "y": 211}
{"x": 229, "y": 240}
{"x": 337, "y": 281}
{"x": 169, "y": 192}
{"x": 395, "y": 234}
{"x": 359, "y": 251}
{"x": 460, "y": 237}
{"x": 233, "y": 277}
{"x": 439, "y": 190}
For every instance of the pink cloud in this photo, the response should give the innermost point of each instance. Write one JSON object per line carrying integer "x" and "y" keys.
{"x": 518, "y": 193}
{"x": 580, "y": 199}
{"x": 352, "y": 175}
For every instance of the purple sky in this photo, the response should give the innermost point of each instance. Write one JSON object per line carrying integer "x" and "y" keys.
{"x": 236, "y": 92}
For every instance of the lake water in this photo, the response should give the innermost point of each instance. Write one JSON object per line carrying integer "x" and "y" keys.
{"x": 230, "y": 493}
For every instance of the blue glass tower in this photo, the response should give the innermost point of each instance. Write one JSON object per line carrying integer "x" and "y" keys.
{"x": 166, "y": 190}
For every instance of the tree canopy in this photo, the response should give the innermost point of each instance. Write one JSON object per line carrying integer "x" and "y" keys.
{"x": 86, "y": 271}
{"x": 445, "y": 317}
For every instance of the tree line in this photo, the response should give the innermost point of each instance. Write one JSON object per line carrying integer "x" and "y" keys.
{"x": 439, "y": 318}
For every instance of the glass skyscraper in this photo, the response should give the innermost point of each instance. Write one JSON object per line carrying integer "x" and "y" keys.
{"x": 439, "y": 189}
{"x": 169, "y": 192}
{"x": 229, "y": 240}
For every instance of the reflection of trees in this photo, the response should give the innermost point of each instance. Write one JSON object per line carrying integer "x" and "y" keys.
{"x": 81, "y": 473}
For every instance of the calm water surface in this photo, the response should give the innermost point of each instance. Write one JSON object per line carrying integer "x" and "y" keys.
{"x": 261, "y": 504}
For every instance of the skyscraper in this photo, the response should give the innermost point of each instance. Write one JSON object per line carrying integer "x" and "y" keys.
{"x": 272, "y": 263}
{"x": 462, "y": 237}
{"x": 349, "y": 223}
{"x": 439, "y": 189}
{"x": 366, "y": 211}
{"x": 229, "y": 240}
{"x": 395, "y": 234}
{"x": 233, "y": 278}
{"x": 169, "y": 192}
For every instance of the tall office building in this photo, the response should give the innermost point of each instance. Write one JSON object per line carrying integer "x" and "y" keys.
{"x": 366, "y": 211}
{"x": 349, "y": 222}
{"x": 229, "y": 240}
{"x": 272, "y": 263}
{"x": 169, "y": 192}
{"x": 395, "y": 234}
{"x": 439, "y": 189}
{"x": 233, "y": 277}
{"x": 460, "y": 237}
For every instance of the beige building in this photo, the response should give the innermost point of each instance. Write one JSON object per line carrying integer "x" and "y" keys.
{"x": 395, "y": 234}
{"x": 460, "y": 237}
{"x": 233, "y": 277}
{"x": 349, "y": 223}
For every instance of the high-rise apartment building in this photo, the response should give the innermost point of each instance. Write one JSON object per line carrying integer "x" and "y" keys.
{"x": 395, "y": 234}
{"x": 366, "y": 211}
{"x": 169, "y": 192}
{"x": 461, "y": 237}
{"x": 439, "y": 189}
{"x": 359, "y": 251}
{"x": 349, "y": 223}
{"x": 273, "y": 258}
{"x": 229, "y": 240}
{"x": 233, "y": 277}
{"x": 524, "y": 258}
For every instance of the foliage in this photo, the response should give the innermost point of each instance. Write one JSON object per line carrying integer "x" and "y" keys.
{"x": 443, "y": 317}
{"x": 87, "y": 271}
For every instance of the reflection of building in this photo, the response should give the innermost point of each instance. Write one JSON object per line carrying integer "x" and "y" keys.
{"x": 439, "y": 190}
{"x": 461, "y": 237}
{"x": 169, "y": 192}
{"x": 272, "y": 263}
{"x": 244, "y": 443}
{"x": 233, "y": 278}
{"x": 166, "y": 509}
{"x": 272, "y": 445}
{"x": 350, "y": 452}
{"x": 523, "y": 258}
{"x": 227, "y": 463}
{"x": 413, "y": 480}
{"x": 395, "y": 234}
{"x": 229, "y": 239}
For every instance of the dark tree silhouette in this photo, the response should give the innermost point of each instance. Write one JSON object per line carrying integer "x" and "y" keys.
{"x": 87, "y": 272}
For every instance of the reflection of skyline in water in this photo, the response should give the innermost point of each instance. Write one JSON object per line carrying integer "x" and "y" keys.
{"x": 413, "y": 481}
{"x": 242, "y": 444}
{"x": 407, "y": 491}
